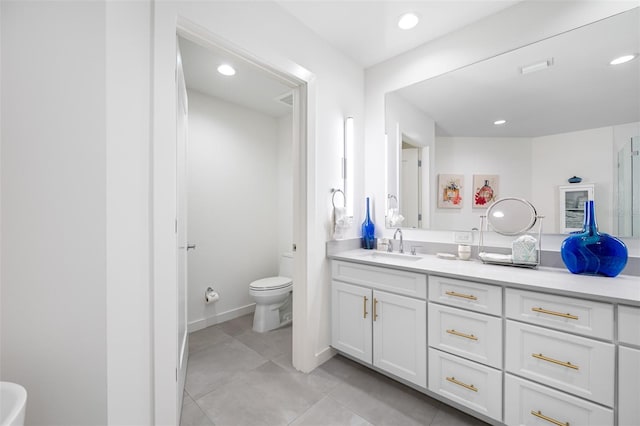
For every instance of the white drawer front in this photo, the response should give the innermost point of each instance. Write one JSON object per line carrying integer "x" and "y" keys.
{"x": 471, "y": 335}
{"x": 531, "y": 404}
{"x": 629, "y": 387}
{"x": 392, "y": 280}
{"x": 629, "y": 325}
{"x": 594, "y": 319}
{"x": 581, "y": 366}
{"x": 470, "y": 384}
{"x": 466, "y": 294}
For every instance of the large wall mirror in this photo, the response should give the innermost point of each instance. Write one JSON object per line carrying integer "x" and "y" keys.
{"x": 568, "y": 112}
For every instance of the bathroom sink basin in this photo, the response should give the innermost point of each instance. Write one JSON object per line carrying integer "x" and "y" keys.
{"x": 383, "y": 255}
{"x": 13, "y": 401}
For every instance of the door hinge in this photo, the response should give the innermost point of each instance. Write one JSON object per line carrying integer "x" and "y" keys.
{"x": 419, "y": 163}
{"x": 176, "y": 226}
{"x": 419, "y": 216}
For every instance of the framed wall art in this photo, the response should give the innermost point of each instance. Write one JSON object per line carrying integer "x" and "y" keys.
{"x": 450, "y": 191}
{"x": 485, "y": 190}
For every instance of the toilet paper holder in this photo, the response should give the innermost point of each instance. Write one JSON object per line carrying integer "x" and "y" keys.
{"x": 210, "y": 296}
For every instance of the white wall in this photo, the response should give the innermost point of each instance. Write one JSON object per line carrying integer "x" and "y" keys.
{"x": 524, "y": 23}
{"x": 505, "y": 157}
{"x": 53, "y": 284}
{"x": 553, "y": 155}
{"x": 234, "y": 205}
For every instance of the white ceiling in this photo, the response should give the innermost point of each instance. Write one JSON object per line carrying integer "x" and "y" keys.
{"x": 579, "y": 91}
{"x": 367, "y": 31}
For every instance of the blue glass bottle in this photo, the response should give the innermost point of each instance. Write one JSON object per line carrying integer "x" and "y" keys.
{"x": 591, "y": 252}
{"x": 368, "y": 231}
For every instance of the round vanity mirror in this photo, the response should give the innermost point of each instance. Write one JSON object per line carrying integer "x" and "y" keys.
{"x": 511, "y": 216}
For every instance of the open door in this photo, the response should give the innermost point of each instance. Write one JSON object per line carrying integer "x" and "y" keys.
{"x": 181, "y": 229}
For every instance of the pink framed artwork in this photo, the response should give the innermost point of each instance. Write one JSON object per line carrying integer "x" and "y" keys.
{"x": 485, "y": 190}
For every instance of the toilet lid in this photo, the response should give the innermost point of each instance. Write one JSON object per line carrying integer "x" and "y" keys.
{"x": 270, "y": 283}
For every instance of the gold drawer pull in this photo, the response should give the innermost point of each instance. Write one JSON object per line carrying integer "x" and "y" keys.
{"x": 375, "y": 309}
{"x": 464, "y": 296}
{"x": 464, "y": 385}
{"x": 549, "y": 419}
{"x": 364, "y": 307}
{"x": 558, "y": 314}
{"x": 555, "y": 361}
{"x": 466, "y": 336}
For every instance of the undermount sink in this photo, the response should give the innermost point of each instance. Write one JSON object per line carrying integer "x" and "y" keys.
{"x": 392, "y": 256}
{"x": 13, "y": 401}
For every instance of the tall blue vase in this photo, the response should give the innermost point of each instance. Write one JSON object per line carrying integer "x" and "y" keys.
{"x": 591, "y": 252}
{"x": 368, "y": 231}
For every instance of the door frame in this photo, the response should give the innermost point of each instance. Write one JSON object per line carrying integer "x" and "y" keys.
{"x": 169, "y": 22}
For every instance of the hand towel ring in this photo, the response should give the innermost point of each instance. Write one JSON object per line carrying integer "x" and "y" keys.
{"x": 333, "y": 197}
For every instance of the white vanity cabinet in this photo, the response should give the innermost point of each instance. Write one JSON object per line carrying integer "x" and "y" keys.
{"x": 465, "y": 343}
{"x": 558, "y": 376}
{"x": 379, "y": 316}
{"x": 510, "y": 349}
{"x": 629, "y": 366}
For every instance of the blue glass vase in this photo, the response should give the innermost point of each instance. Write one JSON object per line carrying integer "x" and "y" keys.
{"x": 591, "y": 252}
{"x": 368, "y": 231}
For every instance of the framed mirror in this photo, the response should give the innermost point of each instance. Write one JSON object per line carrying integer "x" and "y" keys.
{"x": 568, "y": 113}
{"x": 511, "y": 216}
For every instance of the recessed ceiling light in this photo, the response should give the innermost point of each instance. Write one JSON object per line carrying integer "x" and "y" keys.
{"x": 226, "y": 69}
{"x": 408, "y": 21}
{"x": 623, "y": 59}
{"x": 500, "y": 122}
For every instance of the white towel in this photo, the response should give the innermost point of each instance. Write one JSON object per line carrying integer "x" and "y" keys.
{"x": 341, "y": 222}
{"x": 524, "y": 249}
{"x": 394, "y": 218}
{"x": 496, "y": 257}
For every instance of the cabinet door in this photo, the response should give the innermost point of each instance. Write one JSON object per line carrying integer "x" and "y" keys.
{"x": 400, "y": 336}
{"x": 628, "y": 387}
{"x": 351, "y": 320}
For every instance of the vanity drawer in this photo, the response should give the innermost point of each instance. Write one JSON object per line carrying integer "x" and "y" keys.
{"x": 392, "y": 280}
{"x": 593, "y": 319}
{"x": 531, "y": 404}
{"x": 466, "y": 294}
{"x": 629, "y": 325}
{"x": 471, "y": 335}
{"x": 571, "y": 363}
{"x": 472, "y": 385}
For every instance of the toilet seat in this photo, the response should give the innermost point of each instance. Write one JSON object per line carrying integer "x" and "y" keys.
{"x": 271, "y": 283}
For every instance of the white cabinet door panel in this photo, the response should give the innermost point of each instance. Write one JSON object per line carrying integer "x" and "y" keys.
{"x": 474, "y": 336}
{"x": 468, "y": 383}
{"x": 531, "y": 404}
{"x": 394, "y": 280}
{"x": 478, "y": 297}
{"x": 400, "y": 336}
{"x": 574, "y": 364}
{"x": 628, "y": 329}
{"x": 629, "y": 387}
{"x": 593, "y": 319}
{"x": 351, "y": 320}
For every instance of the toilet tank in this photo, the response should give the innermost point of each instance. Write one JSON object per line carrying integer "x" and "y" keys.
{"x": 286, "y": 265}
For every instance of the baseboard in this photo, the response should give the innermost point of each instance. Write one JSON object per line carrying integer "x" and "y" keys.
{"x": 221, "y": 317}
{"x": 324, "y": 355}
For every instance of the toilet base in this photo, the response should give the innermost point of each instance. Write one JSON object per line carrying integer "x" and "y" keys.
{"x": 270, "y": 317}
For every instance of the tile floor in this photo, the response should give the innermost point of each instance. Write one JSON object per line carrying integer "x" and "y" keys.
{"x": 237, "y": 377}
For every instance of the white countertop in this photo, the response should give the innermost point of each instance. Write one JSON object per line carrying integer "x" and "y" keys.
{"x": 623, "y": 289}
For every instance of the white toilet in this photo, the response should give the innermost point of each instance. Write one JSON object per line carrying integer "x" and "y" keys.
{"x": 273, "y": 297}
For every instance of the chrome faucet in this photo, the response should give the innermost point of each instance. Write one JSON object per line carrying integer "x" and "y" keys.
{"x": 401, "y": 250}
